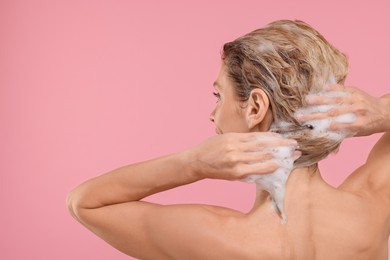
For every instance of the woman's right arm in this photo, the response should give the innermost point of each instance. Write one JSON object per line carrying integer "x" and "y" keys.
{"x": 230, "y": 156}
{"x": 109, "y": 205}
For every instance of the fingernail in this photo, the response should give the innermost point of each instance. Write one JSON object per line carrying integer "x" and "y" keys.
{"x": 300, "y": 117}
{"x": 297, "y": 154}
{"x": 292, "y": 142}
{"x": 309, "y": 98}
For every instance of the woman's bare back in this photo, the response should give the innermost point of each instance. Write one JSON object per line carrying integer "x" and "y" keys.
{"x": 325, "y": 223}
{"x": 322, "y": 223}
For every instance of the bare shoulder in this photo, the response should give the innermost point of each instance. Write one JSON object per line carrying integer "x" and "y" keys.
{"x": 373, "y": 177}
{"x": 371, "y": 185}
{"x": 198, "y": 232}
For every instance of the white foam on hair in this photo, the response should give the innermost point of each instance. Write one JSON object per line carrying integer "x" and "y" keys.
{"x": 275, "y": 183}
{"x": 288, "y": 27}
{"x": 265, "y": 46}
{"x": 331, "y": 79}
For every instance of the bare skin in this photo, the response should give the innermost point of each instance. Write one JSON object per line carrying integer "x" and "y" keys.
{"x": 348, "y": 222}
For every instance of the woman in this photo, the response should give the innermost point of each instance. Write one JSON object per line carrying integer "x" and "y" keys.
{"x": 267, "y": 78}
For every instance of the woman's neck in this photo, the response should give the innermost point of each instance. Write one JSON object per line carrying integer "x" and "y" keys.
{"x": 300, "y": 184}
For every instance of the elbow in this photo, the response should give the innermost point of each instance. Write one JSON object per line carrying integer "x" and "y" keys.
{"x": 73, "y": 204}
{"x": 72, "y": 207}
{"x": 78, "y": 204}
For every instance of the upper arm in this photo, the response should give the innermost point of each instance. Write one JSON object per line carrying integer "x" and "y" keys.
{"x": 121, "y": 225}
{"x": 150, "y": 231}
{"x": 381, "y": 151}
{"x": 378, "y": 165}
{"x": 374, "y": 175}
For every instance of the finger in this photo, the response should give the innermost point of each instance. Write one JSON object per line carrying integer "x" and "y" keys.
{"x": 342, "y": 126}
{"x": 256, "y": 156}
{"x": 334, "y": 87}
{"x": 259, "y": 168}
{"x": 258, "y": 136}
{"x": 340, "y": 88}
{"x": 334, "y": 126}
{"x": 283, "y": 146}
{"x": 268, "y": 153}
{"x": 312, "y": 100}
{"x": 328, "y": 98}
{"x": 315, "y": 109}
{"x": 266, "y": 139}
{"x": 333, "y": 112}
{"x": 278, "y": 143}
{"x": 331, "y": 94}
{"x": 311, "y": 117}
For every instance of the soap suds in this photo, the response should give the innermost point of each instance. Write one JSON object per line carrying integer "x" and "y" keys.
{"x": 275, "y": 183}
{"x": 321, "y": 126}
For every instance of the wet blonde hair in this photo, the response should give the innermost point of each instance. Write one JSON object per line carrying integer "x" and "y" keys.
{"x": 287, "y": 59}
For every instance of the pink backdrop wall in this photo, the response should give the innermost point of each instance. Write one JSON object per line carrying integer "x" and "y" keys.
{"x": 88, "y": 86}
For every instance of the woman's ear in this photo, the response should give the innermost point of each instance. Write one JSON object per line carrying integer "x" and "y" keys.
{"x": 257, "y": 108}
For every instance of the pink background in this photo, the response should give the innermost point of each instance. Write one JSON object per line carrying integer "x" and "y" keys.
{"x": 88, "y": 86}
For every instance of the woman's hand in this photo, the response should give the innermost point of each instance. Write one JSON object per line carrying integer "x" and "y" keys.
{"x": 234, "y": 156}
{"x": 372, "y": 114}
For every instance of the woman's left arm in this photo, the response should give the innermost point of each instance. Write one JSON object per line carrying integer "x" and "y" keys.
{"x": 378, "y": 160}
{"x": 372, "y": 115}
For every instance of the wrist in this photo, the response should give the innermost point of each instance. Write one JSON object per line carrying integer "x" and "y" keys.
{"x": 191, "y": 165}
{"x": 386, "y": 110}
